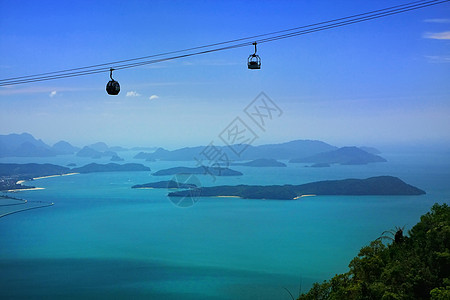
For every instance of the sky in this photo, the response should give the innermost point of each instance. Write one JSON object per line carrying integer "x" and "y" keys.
{"x": 377, "y": 83}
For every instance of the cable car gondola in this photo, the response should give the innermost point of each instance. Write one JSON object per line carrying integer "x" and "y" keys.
{"x": 113, "y": 87}
{"x": 254, "y": 61}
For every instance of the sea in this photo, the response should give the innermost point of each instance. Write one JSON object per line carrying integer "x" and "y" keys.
{"x": 102, "y": 239}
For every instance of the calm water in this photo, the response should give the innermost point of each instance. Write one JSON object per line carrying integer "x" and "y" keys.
{"x": 103, "y": 239}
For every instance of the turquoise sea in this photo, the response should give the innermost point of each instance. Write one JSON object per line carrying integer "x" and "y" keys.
{"x": 104, "y": 240}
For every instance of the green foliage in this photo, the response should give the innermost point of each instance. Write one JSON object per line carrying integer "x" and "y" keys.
{"x": 415, "y": 267}
{"x": 441, "y": 293}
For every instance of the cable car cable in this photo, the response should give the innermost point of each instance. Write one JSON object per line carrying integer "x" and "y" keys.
{"x": 409, "y": 6}
{"x": 88, "y": 70}
{"x": 217, "y": 44}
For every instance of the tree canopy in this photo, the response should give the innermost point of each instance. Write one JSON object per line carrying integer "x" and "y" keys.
{"x": 416, "y": 266}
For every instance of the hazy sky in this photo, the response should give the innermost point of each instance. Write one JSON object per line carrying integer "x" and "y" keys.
{"x": 373, "y": 83}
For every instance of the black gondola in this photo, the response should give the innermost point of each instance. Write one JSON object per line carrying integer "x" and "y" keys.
{"x": 254, "y": 61}
{"x": 113, "y": 87}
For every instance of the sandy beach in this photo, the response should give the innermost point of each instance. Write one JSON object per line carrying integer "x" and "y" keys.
{"x": 29, "y": 189}
{"x": 301, "y": 196}
{"x": 49, "y": 176}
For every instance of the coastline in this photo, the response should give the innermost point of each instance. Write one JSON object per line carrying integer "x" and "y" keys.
{"x": 36, "y": 178}
{"x": 301, "y": 196}
{"x": 27, "y": 189}
{"x": 50, "y": 176}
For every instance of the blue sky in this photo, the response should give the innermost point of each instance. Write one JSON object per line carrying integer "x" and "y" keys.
{"x": 375, "y": 83}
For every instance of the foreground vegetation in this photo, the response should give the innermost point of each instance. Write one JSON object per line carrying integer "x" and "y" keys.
{"x": 414, "y": 267}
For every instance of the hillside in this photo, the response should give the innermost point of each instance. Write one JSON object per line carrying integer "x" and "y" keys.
{"x": 261, "y": 163}
{"x": 410, "y": 267}
{"x": 169, "y": 184}
{"x": 198, "y": 171}
{"x": 289, "y": 150}
{"x": 381, "y": 185}
{"x": 343, "y": 156}
{"x": 111, "y": 167}
{"x": 28, "y": 171}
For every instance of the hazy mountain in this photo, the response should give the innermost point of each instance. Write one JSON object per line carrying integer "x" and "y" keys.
{"x": 100, "y": 147}
{"x": 260, "y": 163}
{"x": 289, "y": 150}
{"x": 63, "y": 147}
{"x": 344, "y": 156}
{"x": 29, "y": 149}
{"x": 89, "y": 152}
{"x": 103, "y": 147}
{"x": 111, "y": 167}
{"x": 116, "y": 158}
{"x": 23, "y": 145}
{"x": 370, "y": 150}
{"x": 117, "y": 149}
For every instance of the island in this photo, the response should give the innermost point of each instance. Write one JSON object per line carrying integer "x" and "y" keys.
{"x": 319, "y": 165}
{"x": 13, "y": 185}
{"x": 29, "y": 171}
{"x": 373, "y": 186}
{"x": 111, "y": 167}
{"x": 199, "y": 170}
{"x": 12, "y": 175}
{"x": 93, "y": 153}
{"x": 343, "y": 156}
{"x": 116, "y": 158}
{"x": 168, "y": 184}
{"x": 262, "y": 162}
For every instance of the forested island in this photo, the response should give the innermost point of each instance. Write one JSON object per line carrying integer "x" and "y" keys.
{"x": 343, "y": 156}
{"x": 260, "y": 163}
{"x": 373, "y": 186}
{"x": 198, "y": 171}
{"x": 29, "y": 171}
{"x": 111, "y": 167}
{"x": 11, "y": 175}
{"x": 167, "y": 184}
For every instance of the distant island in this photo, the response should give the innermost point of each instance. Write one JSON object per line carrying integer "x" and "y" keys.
{"x": 168, "y": 184}
{"x": 25, "y": 145}
{"x": 11, "y": 175}
{"x": 297, "y": 151}
{"x": 199, "y": 170}
{"x": 343, "y": 156}
{"x": 288, "y": 150}
{"x": 30, "y": 171}
{"x": 373, "y": 186}
{"x": 111, "y": 167}
{"x": 92, "y": 153}
{"x": 116, "y": 158}
{"x": 320, "y": 165}
{"x": 262, "y": 162}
